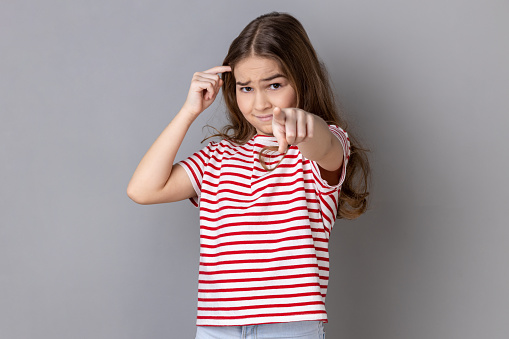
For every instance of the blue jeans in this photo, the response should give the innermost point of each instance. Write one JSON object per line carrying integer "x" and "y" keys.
{"x": 292, "y": 330}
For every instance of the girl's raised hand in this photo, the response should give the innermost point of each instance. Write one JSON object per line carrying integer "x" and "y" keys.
{"x": 204, "y": 89}
{"x": 291, "y": 126}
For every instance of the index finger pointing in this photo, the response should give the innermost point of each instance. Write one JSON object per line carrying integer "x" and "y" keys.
{"x": 218, "y": 69}
{"x": 278, "y": 116}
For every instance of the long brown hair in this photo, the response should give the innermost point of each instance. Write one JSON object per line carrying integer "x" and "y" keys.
{"x": 281, "y": 37}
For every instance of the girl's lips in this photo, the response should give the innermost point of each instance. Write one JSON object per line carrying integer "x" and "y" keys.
{"x": 265, "y": 117}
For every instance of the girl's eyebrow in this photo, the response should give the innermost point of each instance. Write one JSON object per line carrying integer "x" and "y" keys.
{"x": 272, "y": 77}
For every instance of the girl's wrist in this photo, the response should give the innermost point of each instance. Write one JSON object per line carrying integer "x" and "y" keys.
{"x": 188, "y": 115}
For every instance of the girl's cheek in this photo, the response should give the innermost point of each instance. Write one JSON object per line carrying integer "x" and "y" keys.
{"x": 243, "y": 101}
{"x": 241, "y": 105}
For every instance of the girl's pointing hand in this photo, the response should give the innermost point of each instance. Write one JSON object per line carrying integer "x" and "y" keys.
{"x": 291, "y": 126}
{"x": 204, "y": 89}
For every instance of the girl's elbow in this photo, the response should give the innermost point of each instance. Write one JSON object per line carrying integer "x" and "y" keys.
{"x": 137, "y": 196}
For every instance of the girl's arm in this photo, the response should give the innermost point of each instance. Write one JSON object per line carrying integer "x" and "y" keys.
{"x": 157, "y": 179}
{"x": 293, "y": 126}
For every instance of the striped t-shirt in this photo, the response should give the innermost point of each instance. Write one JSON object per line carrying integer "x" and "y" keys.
{"x": 263, "y": 234}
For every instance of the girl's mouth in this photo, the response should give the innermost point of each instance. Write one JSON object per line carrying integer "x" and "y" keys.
{"x": 267, "y": 117}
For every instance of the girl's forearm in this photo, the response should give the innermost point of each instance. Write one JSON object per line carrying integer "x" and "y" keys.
{"x": 152, "y": 175}
{"x": 323, "y": 147}
{"x": 155, "y": 167}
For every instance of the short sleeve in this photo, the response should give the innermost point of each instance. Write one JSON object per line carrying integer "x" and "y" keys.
{"x": 322, "y": 185}
{"x": 195, "y": 167}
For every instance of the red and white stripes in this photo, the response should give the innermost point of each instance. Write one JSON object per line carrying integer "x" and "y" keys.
{"x": 263, "y": 234}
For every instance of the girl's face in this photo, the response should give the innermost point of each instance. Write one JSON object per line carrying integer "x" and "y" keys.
{"x": 261, "y": 86}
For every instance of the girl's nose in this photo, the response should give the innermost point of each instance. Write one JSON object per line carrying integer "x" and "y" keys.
{"x": 261, "y": 102}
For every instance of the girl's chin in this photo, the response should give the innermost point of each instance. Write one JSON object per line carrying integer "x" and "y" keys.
{"x": 266, "y": 132}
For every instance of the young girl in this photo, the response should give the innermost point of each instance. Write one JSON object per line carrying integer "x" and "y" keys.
{"x": 269, "y": 191}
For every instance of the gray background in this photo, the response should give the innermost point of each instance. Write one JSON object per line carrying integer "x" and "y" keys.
{"x": 86, "y": 86}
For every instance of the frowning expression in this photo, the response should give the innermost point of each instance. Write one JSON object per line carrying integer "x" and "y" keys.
{"x": 260, "y": 87}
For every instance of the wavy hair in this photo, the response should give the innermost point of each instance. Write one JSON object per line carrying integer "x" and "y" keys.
{"x": 282, "y": 38}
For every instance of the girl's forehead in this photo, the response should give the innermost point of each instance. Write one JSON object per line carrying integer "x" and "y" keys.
{"x": 256, "y": 67}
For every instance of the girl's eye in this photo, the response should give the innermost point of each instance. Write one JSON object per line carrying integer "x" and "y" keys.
{"x": 275, "y": 86}
{"x": 246, "y": 89}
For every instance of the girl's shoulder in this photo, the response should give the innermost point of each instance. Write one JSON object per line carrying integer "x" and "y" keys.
{"x": 226, "y": 146}
{"x": 228, "y": 143}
